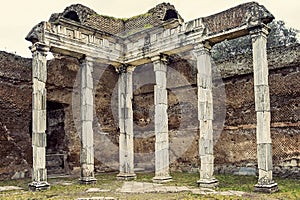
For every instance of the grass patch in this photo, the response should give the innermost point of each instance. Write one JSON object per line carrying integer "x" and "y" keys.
{"x": 289, "y": 188}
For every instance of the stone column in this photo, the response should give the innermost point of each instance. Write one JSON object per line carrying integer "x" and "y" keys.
{"x": 39, "y": 99}
{"x": 86, "y": 121}
{"x": 161, "y": 121}
{"x": 126, "y": 153}
{"x": 262, "y": 108}
{"x": 205, "y": 116}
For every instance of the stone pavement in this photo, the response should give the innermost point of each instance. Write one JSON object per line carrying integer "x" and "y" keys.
{"x": 7, "y": 188}
{"x": 144, "y": 187}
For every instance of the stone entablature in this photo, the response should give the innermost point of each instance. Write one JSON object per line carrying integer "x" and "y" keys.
{"x": 170, "y": 37}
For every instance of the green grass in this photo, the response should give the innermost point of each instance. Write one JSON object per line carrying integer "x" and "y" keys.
{"x": 289, "y": 188}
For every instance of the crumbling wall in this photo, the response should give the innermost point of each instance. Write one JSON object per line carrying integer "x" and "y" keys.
{"x": 235, "y": 145}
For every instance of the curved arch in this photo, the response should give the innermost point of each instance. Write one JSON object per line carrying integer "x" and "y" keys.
{"x": 170, "y": 14}
{"x": 72, "y": 15}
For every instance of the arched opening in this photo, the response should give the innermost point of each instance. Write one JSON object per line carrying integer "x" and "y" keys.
{"x": 170, "y": 14}
{"x": 72, "y": 15}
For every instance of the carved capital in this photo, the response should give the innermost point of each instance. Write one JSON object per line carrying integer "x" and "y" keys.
{"x": 202, "y": 48}
{"x": 40, "y": 48}
{"x": 261, "y": 30}
{"x": 85, "y": 60}
{"x": 122, "y": 69}
{"x": 160, "y": 58}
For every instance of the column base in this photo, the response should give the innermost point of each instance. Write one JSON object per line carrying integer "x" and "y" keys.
{"x": 162, "y": 179}
{"x": 208, "y": 183}
{"x": 268, "y": 188}
{"x": 38, "y": 186}
{"x": 87, "y": 180}
{"x": 126, "y": 176}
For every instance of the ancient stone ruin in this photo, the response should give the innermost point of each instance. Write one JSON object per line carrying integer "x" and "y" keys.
{"x": 119, "y": 48}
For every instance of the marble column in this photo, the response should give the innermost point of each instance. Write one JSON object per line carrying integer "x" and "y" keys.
{"x": 86, "y": 121}
{"x": 205, "y": 115}
{"x": 39, "y": 99}
{"x": 262, "y": 107}
{"x": 126, "y": 153}
{"x": 162, "y": 173}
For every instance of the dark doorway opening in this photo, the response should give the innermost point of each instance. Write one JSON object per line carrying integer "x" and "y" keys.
{"x": 57, "y": 148}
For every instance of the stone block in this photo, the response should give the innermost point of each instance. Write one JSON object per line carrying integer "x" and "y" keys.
{"x": 129, "y": 126}
{"x": 207, "y": 159}
{"x": 162, "y": 137}
{"x": 206, "y": 129}
{"x": 38, "y": 85}
{"x": 206, "y": 171}
{"x": 161, "y": 118}
{"x": 87, "y": 96}
{"x": 205, "y": 111}
{"x": 204, "y": 80}
{"x": 87, "y": 156}
{"x": 262, "y": 98}
{"x": 39, "y": 99}
{"x": 86, "y": 113}
{"x": 86, "y": 78}
{"x": 159, "y": 67}
{"x": 205, "y": 147}
{"x": 263, "y": 134}
{"x": 39, "y": 139}
{"x": 39, "y": 68}
{"x": 160, "y": 95}
{"x": 153, "y": 38}
{"x": 39, "y": 121}
{"x": 202, "y": 92}
{"x": 122, "y": 124}
{"x": 87, "y": 133}
{"x": 161, "y": 79}
{"x": 269, "y": 188}
{"x": 264, "y": 154}
{"x": 39, "y": 158}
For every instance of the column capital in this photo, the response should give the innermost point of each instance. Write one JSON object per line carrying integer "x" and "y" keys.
{"x": 85, "y": 58}
{"x": 260, "y": 30}
{"x": 125, "y": 68}
{"x": 202, "y": 48}
{"x": 39, "y": 47}
{"x": 160, "y": 57}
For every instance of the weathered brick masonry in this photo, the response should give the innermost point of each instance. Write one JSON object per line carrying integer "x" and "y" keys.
{"x": 234, "y": 148}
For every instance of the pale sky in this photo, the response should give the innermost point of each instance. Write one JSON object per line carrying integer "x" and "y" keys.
{"x": 17, "y": 17}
